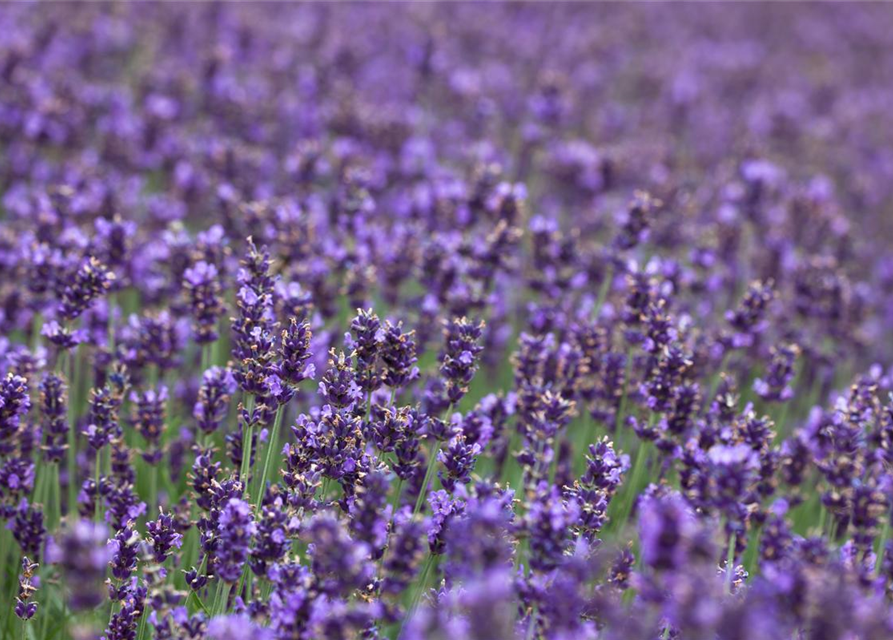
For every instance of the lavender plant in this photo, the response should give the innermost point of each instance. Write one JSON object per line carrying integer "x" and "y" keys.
{"x": 466, "y": 320}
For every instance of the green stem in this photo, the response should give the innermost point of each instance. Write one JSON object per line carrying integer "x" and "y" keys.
{"x": 246, "y": 440}
{"x": 221, "y": 599}
{"x": 429, "y": 473}
{"x": 394, "y": 506}
{"x": 417, "y": 596}
{"x": 753, "y": 551}
{"x": 885, "y": 533}
{"x": 112, "y": 304}
{"x": 97, "y": 511}
{"x": 621, "y": 409}
{"x": 153, "y": 490}
{"x": 271, "y": 447}
{"x": 206, "y": 357}
{"x": 603, "y": 291}
{"x": 72, "y": 451}
{"x": 730, "y": 564}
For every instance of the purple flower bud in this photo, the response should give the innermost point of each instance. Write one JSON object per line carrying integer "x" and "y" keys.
{"x": 458, "y": 360}
{"x": 149, "y": 409}
{"x": 294, "y": 351}
{"x": 91, "y": 279}
{"x": 24, "y": 607}
{"x": 202, "y": 285}
{"x": 235, "y": 532}
{"x": 82, "y": 553}
{"x": 164, "y": 537}
{"x": 218, "y": 385}
{"x": 54, "y": 413}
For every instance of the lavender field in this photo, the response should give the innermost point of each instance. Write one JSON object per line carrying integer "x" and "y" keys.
{"x": 446, "y": 321}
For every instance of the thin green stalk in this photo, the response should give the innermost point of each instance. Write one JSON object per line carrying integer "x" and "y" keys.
{"x": 429, "y": 473}
{"x": 144, "y": 625}
{"x": 153, "y": 490}
{"x": 882, "y": 543}
{"x": 394, "y": 506}
{"x": 324, "y": 490}
{"x": 72, "y": 451}
{"x": 222, "y": 598}
{"x": 603, "y": 291}
{"x": 36, "y": 325}
{"x": 206, "y": 356}
{"x": 730, "y": 562}
{"x": 629, "y": 495}
{"x": 417, "y": 596}
{"x": 513, "y": 442}
{"x": 752, "y": 552}
{"x": 247, "y": 437}
{"x": 271, "y": 448}
{"x": 112, "y": 304}
{"x": 97, "y": 510}
{"x": 621, "y": 409}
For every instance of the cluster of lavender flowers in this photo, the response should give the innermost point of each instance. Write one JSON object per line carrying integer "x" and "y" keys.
{"x": 422, "y": 321}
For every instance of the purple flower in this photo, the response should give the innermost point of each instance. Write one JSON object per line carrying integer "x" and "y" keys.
{"x": 82, "y": 555}
{"x": 236, "y": 627}
{"x": 294, "y": 351}
{"x": 103, "y": 426}
{"x": 54, "y": 414}
{"x": 218, "y": 385}
{"x": 202, "y": 285}
{"x": 398, "y": 355}
{"x": 458, "y": 460}
{"x": 90, "y": 280}
{"x": 164, "y": 537}
{"x": 124, "y": 547}
{"x": 339, "y": 563}
{"x": 458, "y": 361}
{"x": 775, "y": 386}
{"x": 149, "y": 409}
{"x": 25, "y": 608}
{"x": 14, "y": 403}
{"x": 28, "y": 528}
{"x": 337, "y": 386}
{"x": 365, "y": 342}
{"x": 235, "y": 532}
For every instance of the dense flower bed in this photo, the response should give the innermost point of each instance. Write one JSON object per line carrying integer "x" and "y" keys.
{"x": 473, "y": 321}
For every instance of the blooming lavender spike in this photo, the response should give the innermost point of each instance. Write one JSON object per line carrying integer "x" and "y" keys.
{"x": 54, "y": 413}
{"x": 458, "y": 361}
{"x": 398, "y": 355}
{"x": 775, "y": 386}
{"x": 25, "y": 608}
{"x": 28, "y": 528}
{"x": 235, "y": 532}
{"x": 458, "y": 460}
{"x": 218, "y": 385}
{"x": 202, "y": 285}
{"x": 82, "y": 555}
{"x": 365, "y": 341}
{"x": 294, "y": 351}
{"x": 164, "y": 536}
{"x": 149, "y": 408}
{"x": 14, "y": 404}
{"x": 103, "y": 426}
{"x": 90, "y": 280}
